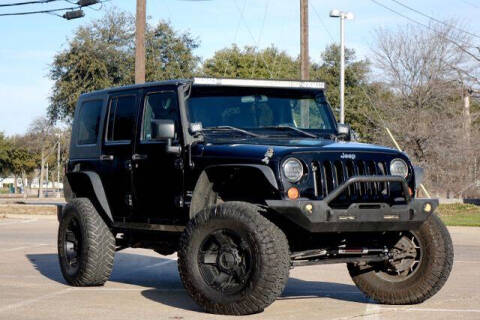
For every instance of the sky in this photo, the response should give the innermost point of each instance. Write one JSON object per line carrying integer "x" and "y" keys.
{"x": 29, "y": 43}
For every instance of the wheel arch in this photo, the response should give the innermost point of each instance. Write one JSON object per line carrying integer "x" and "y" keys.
{"x": 88, "y": 184}
{"x": 255, "y": 182}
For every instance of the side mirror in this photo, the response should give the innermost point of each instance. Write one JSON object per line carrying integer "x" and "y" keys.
{"x": 343, "y": 131}
{"x": 164, "y": 129}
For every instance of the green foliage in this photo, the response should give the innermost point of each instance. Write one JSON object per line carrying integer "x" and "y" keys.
{"x": 358, "y": 112}
{"x": 4, "y": 148}
{"x": 169, "y": 54}
{"x": 234, "y": 62}
{"x": 15, "y": 159}
{"x": 460, "y": 214}
{"x": 102, "y": 55}
{"x": 21, "y": 161}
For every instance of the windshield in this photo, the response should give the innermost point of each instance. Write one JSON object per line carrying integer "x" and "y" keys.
{"x": 257, "y": 109}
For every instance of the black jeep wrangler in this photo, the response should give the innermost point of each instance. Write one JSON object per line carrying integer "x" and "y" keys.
{"x": 245, "y": 179}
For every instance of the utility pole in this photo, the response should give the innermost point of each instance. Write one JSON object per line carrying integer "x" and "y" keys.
{"x": 58, "y": 169}
{"x": 466, "y": 116}
{"x": 42, "y": 173}
{"x": 46, "y": 175}
{"x": 304, "y": 61}
{"x": 304, "y": 58}
{"x": 467, "y": 127}
{"x": 140, "y": 22}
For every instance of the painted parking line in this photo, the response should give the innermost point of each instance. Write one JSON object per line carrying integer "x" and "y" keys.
{"x": 27, "y": 302}
{"x": 430, "y": 310}
{"x": 372, "y": 311}
{"x": 159, "y": 264}
{"x": 24, "y": 247}
{"x": 125, "y": 289}
{"x": 17, "y": 222}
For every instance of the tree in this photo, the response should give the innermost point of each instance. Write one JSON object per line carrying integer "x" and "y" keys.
{"x": 358, "y": 109}
{"x": 21, "y": 163}
{"x": 424, "y": 110}
{"x": 102, "y": 54}
{"x": 233, "y": 62}
{"x": 4, "y": 148}
{"x": 41, "y": 139}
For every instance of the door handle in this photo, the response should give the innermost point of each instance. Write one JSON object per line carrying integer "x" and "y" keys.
{"x": 108, "y": 157}
{"x": 137, "y": 156}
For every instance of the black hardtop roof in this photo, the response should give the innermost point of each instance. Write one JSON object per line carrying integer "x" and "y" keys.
{"x": 174, "y": 82}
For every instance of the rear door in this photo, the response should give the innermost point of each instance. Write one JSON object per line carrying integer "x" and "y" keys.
{"x": 158, "y": 175}
{"x": 119, "y": 137}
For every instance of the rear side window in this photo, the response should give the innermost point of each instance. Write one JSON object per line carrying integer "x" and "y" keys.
{"x": 89, "y": 122}
{"x": 121, "y": 119}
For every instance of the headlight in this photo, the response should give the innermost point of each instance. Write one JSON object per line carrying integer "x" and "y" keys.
{"x": 398, "y": 167}
{"x": 293, "y": 169}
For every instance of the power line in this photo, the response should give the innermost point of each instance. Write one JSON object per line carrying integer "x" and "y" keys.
{"x": 260, "y": 38}
{"x": 72, "y": 12}
{"x": 322, "y": 22}
{"x": 433, "y": 19}
{"x": 242, "y": 17}
{"x": 429, "y": 28}
{"x": 235, "y": 34}
{"x": 38, "y": 11}
{"x": 470, "y": 3}
{"x": 27, "y": 3}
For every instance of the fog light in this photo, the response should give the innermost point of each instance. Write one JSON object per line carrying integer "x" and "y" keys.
{"x": 427, "y": 207}
{"x": 293, "y": 193}
{"x": 309, "y": 208}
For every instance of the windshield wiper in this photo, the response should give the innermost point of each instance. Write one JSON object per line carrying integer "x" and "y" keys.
{"x": 305, "y": 133}
{"x": 230, "y": 128}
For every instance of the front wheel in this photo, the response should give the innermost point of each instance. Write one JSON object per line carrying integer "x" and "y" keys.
{"x": 232, "y": 260}
{"x": 420, "y": 263}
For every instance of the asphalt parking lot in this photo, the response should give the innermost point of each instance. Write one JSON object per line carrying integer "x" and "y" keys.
{"x": 145, "y": 285}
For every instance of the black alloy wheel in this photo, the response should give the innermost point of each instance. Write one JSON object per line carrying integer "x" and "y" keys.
{"x": 406, "y": 258}
{"x": 225, "y": 261}
{"x": 72, "y": 246}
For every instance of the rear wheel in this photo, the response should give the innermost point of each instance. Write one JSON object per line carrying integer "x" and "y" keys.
{"x": 232, "y": 260}
{"x": 420, "y": 263}
{"x": 86, "y": 246}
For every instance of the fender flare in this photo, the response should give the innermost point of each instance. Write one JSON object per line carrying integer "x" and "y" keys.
{"x": 203, "y": 192}
{"x": 71, "y": 188}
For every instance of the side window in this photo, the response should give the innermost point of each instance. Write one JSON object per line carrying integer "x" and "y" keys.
{"x": 89, "y": 122}
{"x": 121, "y": 119}
{"x": 158, "y": 105}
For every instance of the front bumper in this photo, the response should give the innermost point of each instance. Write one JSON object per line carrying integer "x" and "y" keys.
{"x": 318, "y": 216}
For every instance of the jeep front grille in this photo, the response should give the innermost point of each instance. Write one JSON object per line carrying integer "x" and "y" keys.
{"x": 330, "y": 174}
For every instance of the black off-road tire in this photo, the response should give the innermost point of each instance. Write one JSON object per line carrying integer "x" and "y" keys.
{"x": 270, "y": 255}
{"x": 430, "y": 277}
{"x": 96, "y": 245}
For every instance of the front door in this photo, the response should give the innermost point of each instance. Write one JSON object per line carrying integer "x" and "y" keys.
{"x": 158, "y": 175}
{"x": 117, "y": 150}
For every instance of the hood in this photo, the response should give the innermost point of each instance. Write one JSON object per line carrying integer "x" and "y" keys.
{"x": 255, "y": 149}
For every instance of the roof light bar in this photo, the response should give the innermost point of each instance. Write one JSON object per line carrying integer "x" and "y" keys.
{"x": 259, "y": 83}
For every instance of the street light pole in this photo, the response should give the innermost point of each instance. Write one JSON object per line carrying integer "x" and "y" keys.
{"x": 343, "y": 16}
{"x": 342, "y": 70}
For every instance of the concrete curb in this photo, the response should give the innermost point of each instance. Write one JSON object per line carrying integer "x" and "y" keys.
{"x": 51, "y": 216}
